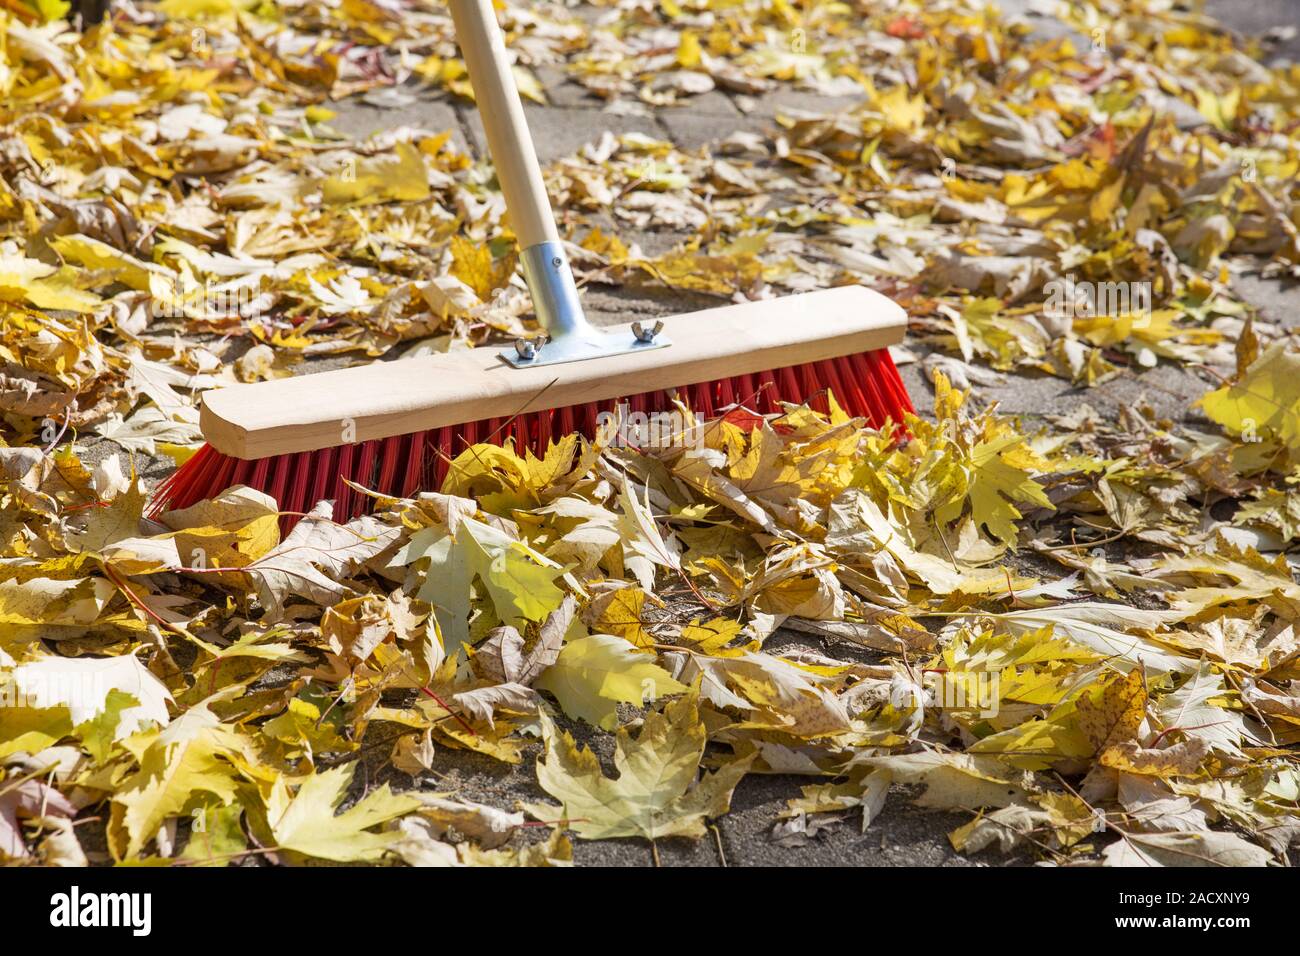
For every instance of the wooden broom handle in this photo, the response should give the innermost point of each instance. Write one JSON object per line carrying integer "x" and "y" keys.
{"x": 498, "y": 103}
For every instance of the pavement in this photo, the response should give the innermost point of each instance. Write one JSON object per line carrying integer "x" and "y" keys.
{"x": 902, "y": 835}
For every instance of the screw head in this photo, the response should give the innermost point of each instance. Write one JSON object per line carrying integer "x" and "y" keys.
{"x": 557, "y": 262}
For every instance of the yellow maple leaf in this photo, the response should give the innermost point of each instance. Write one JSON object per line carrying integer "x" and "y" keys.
{"x": 472, "y": 263}
{"x": 621, "y": 612}
{"x": 1261, "y": 405}
{"x": 653, "y": 794}
{"x": 903, "y": 112}
{"x": 711, "y": 636}
{"x": 44, "y": 286}
{"x": 688, "y": 50}
{"x": 1112, "y": 717}
{"x": 594, "y": 674}
{"x": 384, "y": 178}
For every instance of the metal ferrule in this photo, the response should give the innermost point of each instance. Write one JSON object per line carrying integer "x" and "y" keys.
{"x": 569, "y": 336}
{"x": 555, "y": 295}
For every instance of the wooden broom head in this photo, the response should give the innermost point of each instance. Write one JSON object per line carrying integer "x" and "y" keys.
{"x": 384, "y": 399}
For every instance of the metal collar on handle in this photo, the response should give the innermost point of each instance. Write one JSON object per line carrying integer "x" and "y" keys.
{"x": 569, "y": 336}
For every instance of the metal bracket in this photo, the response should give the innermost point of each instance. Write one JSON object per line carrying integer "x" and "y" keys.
{"x": 569, "y": 337}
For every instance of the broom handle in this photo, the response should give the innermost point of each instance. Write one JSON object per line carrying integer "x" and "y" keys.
{"x": 509, "y": 142}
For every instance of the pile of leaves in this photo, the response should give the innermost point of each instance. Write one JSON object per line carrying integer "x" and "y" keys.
{"x": 1080, "y": 633}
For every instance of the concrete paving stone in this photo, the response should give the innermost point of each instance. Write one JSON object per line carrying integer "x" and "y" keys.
{"x": 361, "y": 120}
{"x": 690, "y": 131}
{"x": 1278, "y": 300}
{"x": 611, "y": 305}
{"x": 559, "y": 132}
{"x": 712, "y": 103}
{"x": 782, "y": 100}
{"x": 708, "y": 119}
{"x": 900, "y": 836}
{"x": 652, "y": 241}
{"x": 1260, "y": 16}
{"x": 151, "y": 468}
{"x": 918, "y": 387}
{"x": 564, "y": 92}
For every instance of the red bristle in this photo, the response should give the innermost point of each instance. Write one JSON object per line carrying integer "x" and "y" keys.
{"x": 196, "y": 469}
{"x": 789, "y": 383}
{"x": 538, "y": 430}
{"x": 889, "y": 373}
{"x": 391, "y": 454}
{"x": 181, "y": 486}
{"x": 866, "y": 397}
{"x": 726, "y": 395}
{"x": 696, "y": 397}
{"x": 445, "y": 455}
{"x": 261, "y": 471}
{"x": 566, "y": 425}
{"x": 204, "y": 454}
{"x": 866, "y": 385}
{"x": 746, "y": 390}
{"x": 517, "y": 432}
{"x": 893, "y": 394}
{"x": 856, "y": 402}
{"x": 814, "y": 386}
{"x": 322, "y": 481}
{"x": 767, "y": 393}
{"x": 830, "y": 377}
{"x": 544, "y": 428}
{"x": 870, "y": 373}
{"x": 243, "y": 472}
{"x": 809, "y": 388}
{"x": 702, "y": 400}
{"x": 279, "y": 480}
{"x": 278, "y": 488}
{"x": 299, "y": 481}
{"x": 223, "y": 473}
{"x": 412, "y": 470}
{"x": 860, "y": 373}
{"x": 849, "y": 394}
{"x": 342, "y": 493}
{"x": 363, "y": 474}
{"x": 877, "y": 389}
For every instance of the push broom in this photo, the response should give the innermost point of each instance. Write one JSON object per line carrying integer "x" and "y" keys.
{"x": 393, "y": 427}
